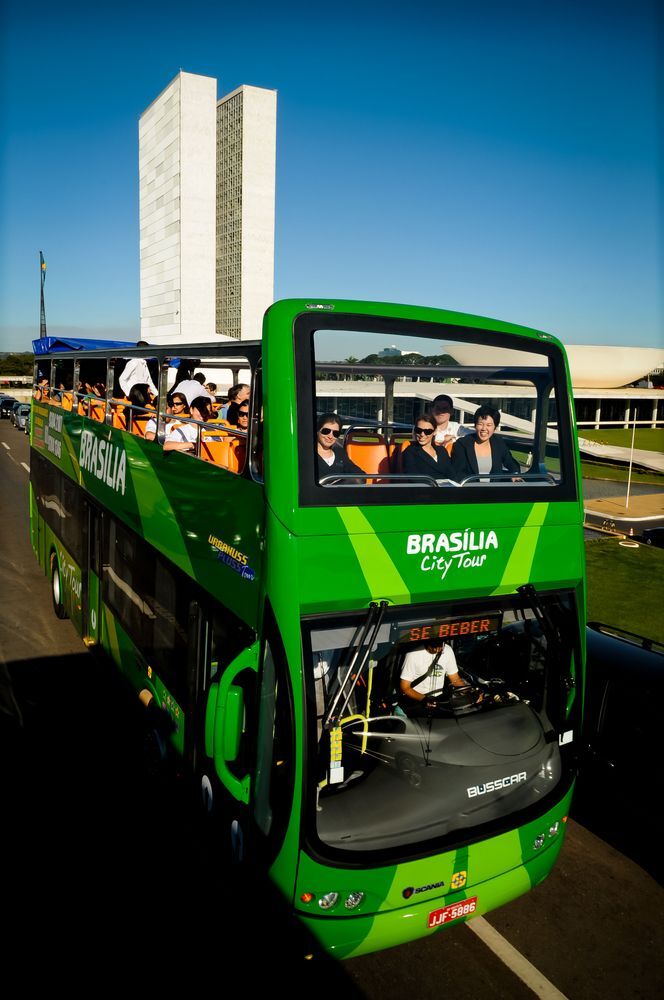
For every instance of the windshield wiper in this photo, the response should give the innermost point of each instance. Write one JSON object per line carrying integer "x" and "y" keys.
{"x": 551, "y": 632}
{"x": 370, "y": 628}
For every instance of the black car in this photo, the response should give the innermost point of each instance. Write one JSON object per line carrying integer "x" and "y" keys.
{"x": 652, "y": 536}
{"x": 6, "y": 405}
{"x": 619, "y": 787}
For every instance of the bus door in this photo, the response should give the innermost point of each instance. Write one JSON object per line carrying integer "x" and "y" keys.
{"x": 273, "y": 791}
{"x": 91, "y": 575}
{"x": 223, "y": 701}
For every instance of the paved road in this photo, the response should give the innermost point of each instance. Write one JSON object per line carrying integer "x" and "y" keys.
{"x": 109, "y": 882}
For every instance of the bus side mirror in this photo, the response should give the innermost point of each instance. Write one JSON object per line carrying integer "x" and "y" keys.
{"x": 225, "y": 722}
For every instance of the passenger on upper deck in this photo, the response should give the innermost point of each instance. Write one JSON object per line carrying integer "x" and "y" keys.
{"x": 139, "y": 397}
{"x": 236, "y": 394}
{"x": 332, "y": 459}
{"x": 483, "y": 452}
{"x": 447, "y": 430}
{"x": 41, "y": 389}
{"x": 136, "y": 372}
{"x": 194, "y": 388}
{"x": 423, "y": 457}
{"x": 242, "y": 417}
{"x": 183, "y": 436}
{"x": 151, "y": 426}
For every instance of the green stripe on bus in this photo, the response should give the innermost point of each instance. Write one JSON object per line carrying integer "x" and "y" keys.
{"x": 521, "y": 557}
{"x": 69, "y": 445}
{"x": 381, "y": 575}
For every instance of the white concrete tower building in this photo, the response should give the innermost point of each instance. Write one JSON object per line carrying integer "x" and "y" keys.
{"x": 177, "y": 173}
{"x": 207, "y": 193}
{"x": 246, "y": 159}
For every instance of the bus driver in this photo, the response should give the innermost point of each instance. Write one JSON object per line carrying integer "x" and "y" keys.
{"x": 423, "y": 674}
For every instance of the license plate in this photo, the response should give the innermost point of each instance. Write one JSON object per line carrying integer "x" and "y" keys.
{"x": 453, "y": 912}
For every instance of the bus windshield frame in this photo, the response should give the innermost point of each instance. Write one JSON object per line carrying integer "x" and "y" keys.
{"x": 552, "y": 690}
{"x": 401, "y": 489}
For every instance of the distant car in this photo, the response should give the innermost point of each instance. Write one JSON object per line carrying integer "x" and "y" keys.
{"x": 14, "y": 410}
{"x": 22, "y": 416}
{"x": 6, "y": 405}
{"x": 653, "y": 536}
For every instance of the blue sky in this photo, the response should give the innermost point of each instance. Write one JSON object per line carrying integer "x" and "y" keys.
{"x": 498, "y": 159}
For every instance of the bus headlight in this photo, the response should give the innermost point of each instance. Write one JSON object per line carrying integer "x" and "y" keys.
{"x": 553, "y": 830}
{"x": 329, "y": 900}
{"x": 353, "y": 900}
{"x": 538, "y": 841}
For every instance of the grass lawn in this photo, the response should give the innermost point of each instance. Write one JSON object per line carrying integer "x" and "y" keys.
{"x": 624, "y": 587}
{"x": 646, "y": 437}
{"x": 618, "y": 473}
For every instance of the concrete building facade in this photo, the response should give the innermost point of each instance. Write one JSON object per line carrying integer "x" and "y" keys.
{"x": 207, "y": 193}
{"x": 246, "y": 161}
{"x": 177, "y": 196}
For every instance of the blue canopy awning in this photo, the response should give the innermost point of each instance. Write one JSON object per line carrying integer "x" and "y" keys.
{"x": 52, "y": 345}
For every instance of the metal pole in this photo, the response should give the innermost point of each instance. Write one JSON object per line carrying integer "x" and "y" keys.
{"x": 631, "y": 458}
{"x": 42, "y": 315}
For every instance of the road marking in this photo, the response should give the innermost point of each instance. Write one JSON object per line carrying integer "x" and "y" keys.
{"x": 25, "y": 466}
{"x": 514, "y": 960}
{"x": 5, "y": 445}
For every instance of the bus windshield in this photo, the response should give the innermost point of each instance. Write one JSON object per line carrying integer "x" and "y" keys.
{"x": 432, "y": 414}
{"x": 392, "y": 771}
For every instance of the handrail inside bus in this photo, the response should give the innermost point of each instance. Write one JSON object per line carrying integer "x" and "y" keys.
{"x": 394, "y": 479}
{"x": 374, "y": 617}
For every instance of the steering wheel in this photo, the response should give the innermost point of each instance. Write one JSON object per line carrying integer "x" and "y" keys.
{"x": 463, "y": 698}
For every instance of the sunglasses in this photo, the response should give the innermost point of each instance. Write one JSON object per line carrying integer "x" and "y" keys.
{"x": 329, "y": 430}
{"x": 422, "y": 430}
{"x": 243, "y": 413}
{"x": 175, "y": 403}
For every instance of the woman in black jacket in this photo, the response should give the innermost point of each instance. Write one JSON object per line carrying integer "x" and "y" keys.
{"x": 483, "y": 453}
{"x": 332, "y": 459}
{"x": 423, "y": 457}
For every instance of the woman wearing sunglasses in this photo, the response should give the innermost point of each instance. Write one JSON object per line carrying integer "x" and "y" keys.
{"x": 423, "y": 457}
{"x": 332, "y": 459}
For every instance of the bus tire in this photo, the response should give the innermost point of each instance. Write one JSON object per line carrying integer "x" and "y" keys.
{"x": 56, "y": 588}
{"x": 155, "y": 754}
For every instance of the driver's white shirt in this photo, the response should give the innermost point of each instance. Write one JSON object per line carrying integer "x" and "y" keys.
{"x": 418, "y": 662}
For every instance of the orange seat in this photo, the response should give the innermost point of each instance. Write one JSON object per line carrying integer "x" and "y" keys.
{"x": 368, "y": 450}
{"x": 229, "y": 452}
{"x": 98, "y": 410}
{"x": 119, "y": 412}
{"x": 139, "y": 420}
{"x": 398, "y": 445}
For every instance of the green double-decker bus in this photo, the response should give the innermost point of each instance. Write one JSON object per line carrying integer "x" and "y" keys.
{"x": 356, "y": 618}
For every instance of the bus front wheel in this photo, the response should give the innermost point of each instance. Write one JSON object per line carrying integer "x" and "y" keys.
{"x": 56, "y": 588}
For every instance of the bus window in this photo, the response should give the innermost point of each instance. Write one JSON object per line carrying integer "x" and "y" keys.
{"x": 216, "y": 426}
{"x": 432, "y": 408}
{"x": 63, "y": 383}
{"x": 91, "y": 389}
